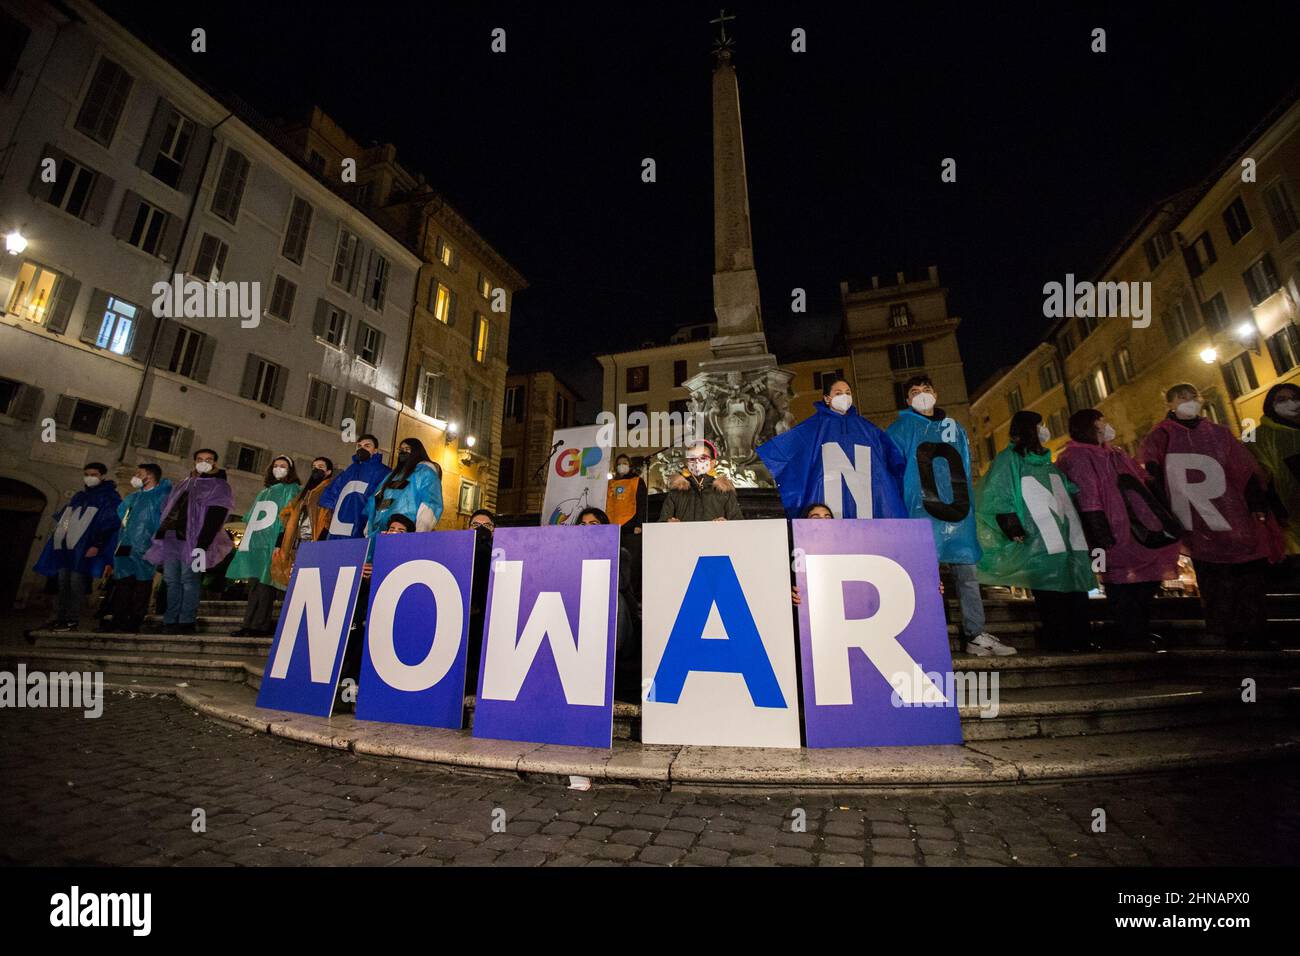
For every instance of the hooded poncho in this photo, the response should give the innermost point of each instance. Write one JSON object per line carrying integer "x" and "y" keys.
{"x": 1138, "y": 534}
{"x": 88, "y": 521}
{"x": 253, "y": 556}
{"x": 349, "y": 494}
{"x": 192, "y": 520}
{"x": 814, "y": 461}
{"x": 139, "y": 514}
{"x": 1027, "y": 494}
{"x": 1277, "y": 448}
{"x": 936, "y": 485}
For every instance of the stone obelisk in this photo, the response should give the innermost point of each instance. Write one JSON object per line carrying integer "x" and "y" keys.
{"x": 743, "y": 398}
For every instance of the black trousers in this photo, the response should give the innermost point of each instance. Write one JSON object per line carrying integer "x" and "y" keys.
{"x": 1233, "y": 596}
{"x": 1130, "y": 606}
{"x": 261, "y": 601}
{"x": 130, "y": 603}
{"x": 1063, "y": 616}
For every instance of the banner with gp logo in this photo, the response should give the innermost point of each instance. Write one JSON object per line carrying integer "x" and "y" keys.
{"x": 303, "y": 668}
{"x": 717, "y": 644}
{"x": 871, "y": 622}
{"x": 547, "y": 672}
{"x": 577, "y": 475}
{"x": 413, "y": 670}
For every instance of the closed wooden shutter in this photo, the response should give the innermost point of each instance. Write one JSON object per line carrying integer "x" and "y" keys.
{"x": 94, "y": 316}
{"x": 98, "y": 200}
{"x": 142, "y": 334}
{"x": 27, "y": 406}
{"x": 63, "y": 410}
{"x": 38, "y": 187}
{"x": 162, "y": 356}
{"x": 182, "y": 441}
{"x": 126, "y": 214}
{"x": 196, "y": 160}
{"x": 277, "y": 391}
{"x": 140, "y": 432}
{"x": 162, "y": 116}
{"x": 204, "y": 364}
{"x": 67, "y": 293}
{"x": 249, "y": 384}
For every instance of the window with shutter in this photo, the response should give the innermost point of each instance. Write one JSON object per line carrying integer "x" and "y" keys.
{"x": 210, "y": 260}
{"x": 295, "y": 236}
{"x": 40, "y": 294}
{"x": 105, "y": 98}
{"x": 229, "y": 192}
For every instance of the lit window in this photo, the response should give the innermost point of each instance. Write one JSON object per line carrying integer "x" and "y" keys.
{"x": 481, "y": 340}
{"x": 116, "y": 326}
{"x": 33, "y": 292}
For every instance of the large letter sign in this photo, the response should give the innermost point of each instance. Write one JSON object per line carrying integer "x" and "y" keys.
{"x": 547, "y": 673}
{"x": 871, "y": 622}
{"x": 413, "y": 671}
{"x": 303, "y": 669}
{"x": 717, "y": 639}
{"x": 577, "y": 475}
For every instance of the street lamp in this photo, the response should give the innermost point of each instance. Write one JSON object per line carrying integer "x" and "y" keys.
{"x": 1209, "y": 355}
{"x": 469, "y": 441}
{"x": 1248, "y": 334}
{"x": 15, "y": 242}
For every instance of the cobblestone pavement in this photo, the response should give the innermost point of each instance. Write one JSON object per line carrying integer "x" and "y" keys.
{"x": 123, "y": 789}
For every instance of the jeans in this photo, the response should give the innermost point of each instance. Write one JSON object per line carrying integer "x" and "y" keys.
{"x": 972, "y": 604}
{"x": 73, "y": 587}
{"x": 183, "y": 585}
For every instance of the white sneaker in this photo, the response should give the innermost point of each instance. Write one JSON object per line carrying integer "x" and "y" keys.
{"x": 986, "y": 645}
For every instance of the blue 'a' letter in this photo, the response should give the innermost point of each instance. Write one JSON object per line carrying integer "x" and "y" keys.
{"x": 713, "y": 582}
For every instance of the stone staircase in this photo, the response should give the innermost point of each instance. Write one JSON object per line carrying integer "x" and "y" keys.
{"x": 1140, "y": 702}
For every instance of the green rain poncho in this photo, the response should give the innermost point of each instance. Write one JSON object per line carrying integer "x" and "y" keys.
{"x": 1277, "y": 448}
{"x": 1031, "y": 495}
{"x": 253, "y": 556}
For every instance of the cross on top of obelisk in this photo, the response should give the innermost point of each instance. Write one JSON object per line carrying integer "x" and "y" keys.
{"x": 722, "y": 45}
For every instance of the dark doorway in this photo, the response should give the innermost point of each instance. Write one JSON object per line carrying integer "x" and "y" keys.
{"x": 21, "y": 507}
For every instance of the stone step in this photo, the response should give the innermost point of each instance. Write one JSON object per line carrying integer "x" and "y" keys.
{"x": 203, "y": 643}
{"x": 1029, "y": 710}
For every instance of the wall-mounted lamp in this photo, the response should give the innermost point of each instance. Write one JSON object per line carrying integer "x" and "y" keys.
{"x": 1209, "y": 355}
{"x": 470, "y": 441}
{"x": 15, "y": 242}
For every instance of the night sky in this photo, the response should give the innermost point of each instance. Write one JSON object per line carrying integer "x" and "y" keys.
{"x": 1058, "y": 149}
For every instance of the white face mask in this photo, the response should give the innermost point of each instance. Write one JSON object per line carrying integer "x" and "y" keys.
{"x": 137, "y": 482}
{"x": 203, "y": 467}
{"x": 622, "y": 469}
{"x": 1108, "y": 433}
{"x": 842, "y": 402}
{"x": 280, "y": 472}
{"x": 1288, "y": 408}
{"x": 1188, "y": 409}
{"x": 1044, "y": 434}
{"x": 92, "y": 480}
{"x": 923, "y": 402}
{"x": 699, "y": 468}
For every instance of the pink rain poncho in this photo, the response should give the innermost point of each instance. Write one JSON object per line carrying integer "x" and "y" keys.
{"x": 1138, "y": 535}
{"x": 1211, "y": 482}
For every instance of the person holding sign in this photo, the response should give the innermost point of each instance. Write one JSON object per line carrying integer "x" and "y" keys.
{"x": 1031, "y": 534}
{"x": 81, "y": 544}
{"x": 936, "y": 487}
{"x": 263, "y": 530}
{"x": 413, "y": 489}
{"x": 1219, "y": 493}
{"x": 1136, "y": 535}
{"x": 346, "y": 499}
{"x": 837, "y": 447}
{"x": 304, "y": 520}
{"x": 1277, "y": 448}
{"x": 697, "y": 494}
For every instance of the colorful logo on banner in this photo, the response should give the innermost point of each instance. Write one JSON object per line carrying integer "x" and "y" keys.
{"x": 413, "y": 671}
{"x": 303, "y": 669}
{"x": 717, "y": 644}
{"x": 578, "y": 474}
{"x": 872, "y": 634}
{"x": 547, "y": 673}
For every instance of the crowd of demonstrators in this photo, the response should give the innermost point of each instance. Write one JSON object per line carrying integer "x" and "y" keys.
{"x": 1232, "y": 533}
{"x": 1057, "y": 528}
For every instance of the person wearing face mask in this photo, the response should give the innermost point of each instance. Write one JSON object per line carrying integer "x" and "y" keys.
{"x": 625, "y": 500}
{"x": 138, "y": 516}
{"x": 304, "y": 520}
{"x": 1277, "y": 448}
{"x": 252, "y": 561}
{"x": 347, "y": 498}
{"x": 81, "y": 544}
{"x": 192, "y": 520}
{"x": 413, "y": 489}
{"x": 1032, "y": 537}
{"x": 1136, "y": 534}
{"x": 1219, "y": 493}
{"x": 798, "y": 459}
{"x": 699, "y": 495}
{"x": 937, "y": 488}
